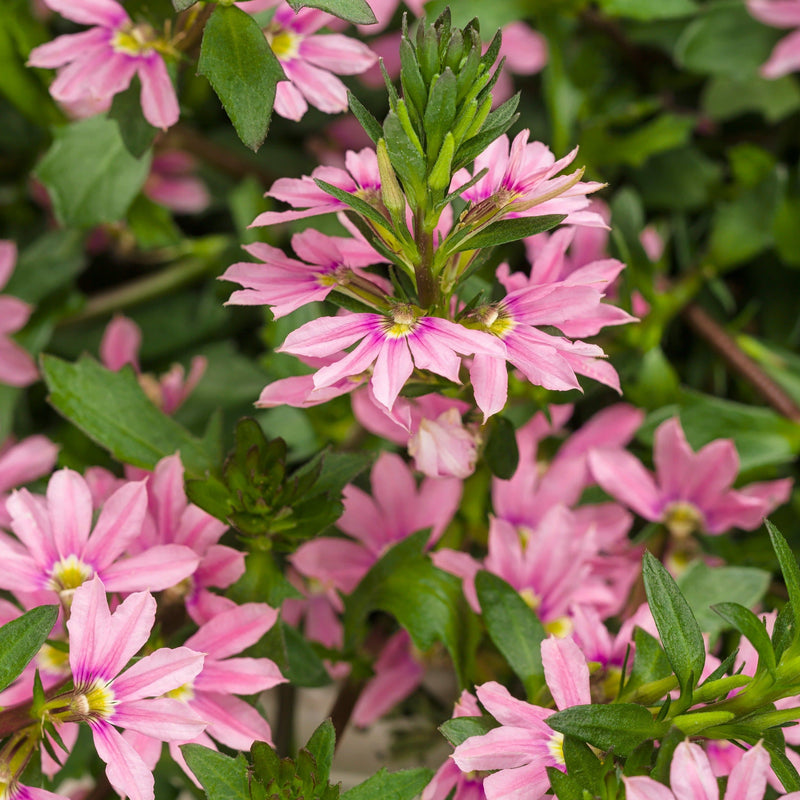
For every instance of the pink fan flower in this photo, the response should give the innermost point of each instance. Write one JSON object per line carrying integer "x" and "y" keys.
{"x": 285, "y": 284}
{"x": 309, "y": 59}
{"x": 16, "y": 365}
{"x": 444, "y": 447}
{"x": 120, "y": 345}
{"x": 98, "y": 63}
{"x": 59, "y": 548}
{"x": 691, "y": 778}
{"x": 523, "y": 180}
{"x": 393, "y": 345}
{"x": 105, "y": 697}
{"x": 361, "y": 178}
{"x": 785, "y": 57}
{"x": 524, "y": 746}
{"x": 22, "y": 462}
{"x": 689, "y": 491}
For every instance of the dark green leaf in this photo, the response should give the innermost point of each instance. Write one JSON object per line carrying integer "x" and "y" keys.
{"x": 305, "y": 666}
{"x": 368, "y": 122}
{"x": 89, "y": 173}
{"x": 355, "y": 11}
{"x": 403, "y": 785}
{"x": 321, "y": 746}
{"x": 677, "y": 626}
{"x": 782, "y": 766}
{"x": 440, "y": 112}
{"x": 783, "y": 632}
{"x": 502, "y": 453}
{"x": 356, "y": 203}
{"x": 751, "y": 627}
{"x": 459, "y": 729}
{"x": 650, "y": 663}
{"x": 21, "y": 639}
{"x": 583, "y": 765}
{"x": 621, "y": 726}
{"x": 126, "y": 110}
{"x": 514, "y": 628}
{"x": 790, "y": 570}
{"x": 111, "y": 408}
{"x": 647, "y": 10}
{"x": 242, "y": 69}
{"x": 564, "y": 785}
{"x": 222, "y": 777}
{"x": 509, "y": 230}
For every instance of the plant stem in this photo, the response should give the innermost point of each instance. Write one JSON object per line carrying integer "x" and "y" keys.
{"x": 423, "y": 269}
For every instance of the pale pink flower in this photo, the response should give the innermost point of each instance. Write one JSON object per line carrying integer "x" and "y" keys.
{"x": 309, "y": 59}
{"x": 285, "y": 284}
{"x": 100, "y": 62}
{"x": 360, "y": 178}
{"x": 524, "y": 746}
{"x": 22, "y": 462}
{"x": 172, "y": 183}
{"x": 523, "y": 180}
{"x": 105, "y": 697}
{"x": 444, "y": 447}
{"x": 16, "y": 365}
{"x": 120, "y": 345}
{"x": 691, "y": 778}
{"x": 58, "y": 547}
{"x": 393, "y": 345}
{"x": 785, "y": 57}
{"x": 689, "y": 491}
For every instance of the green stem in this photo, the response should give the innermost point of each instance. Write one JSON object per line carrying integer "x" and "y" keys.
{"x": 423, "y": 269}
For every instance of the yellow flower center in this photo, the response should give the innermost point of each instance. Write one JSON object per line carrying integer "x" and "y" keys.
{"x": 555, "y": 745}
{"x": 53, "y": 659}
{"x": 183, "y": 693}
{"x": 67, "y": 575}
{"x": 682, "y": 519}
{"x": 560, "y": 627}
{"x": 134, "y": 39}
{"x": 96, "y": 701}
{"x": 284, "y": 44}
{"x": 494, "y": 319}
{"x": 403, "y": 322}
{"x": 532, "y": 600}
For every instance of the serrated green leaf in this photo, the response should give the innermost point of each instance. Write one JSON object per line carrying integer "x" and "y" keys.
{"x": 513, "y": 627}
{"x": 677, "y": 626}
{"x": 321, "y": 746}
{"x": 222, "y": 777}
{"x": 89, "y": 173}
{"x": 508, "y": 230}
{"x": 621, "y": 726}
{"x": 356, "y": 11}
{"x": 403, "y": 785}
{"x": 21, "y": 639}
{"x": 242, "y": 70}
{"x": 113, "y": 410}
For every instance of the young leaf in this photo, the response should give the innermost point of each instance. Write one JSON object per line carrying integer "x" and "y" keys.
{"x": 321, "y": 745}
{"x": 677, "y": 626}
{"x": 356, "y": 11}
{"x": 21, "y": 639}
{"x": 752, "y": 628}
{"x": 113, "y": 410}
{"x": 242, "y": 70}
{"x": 508, "y": 230}
{"x": 403, "y": 785}
{"x": 90, "y": 174}
{"x": 790, "y": 570}
{"x": 621, "y": 726}
{"x": 222, "y": 777}
{"x": 513, "y": 627}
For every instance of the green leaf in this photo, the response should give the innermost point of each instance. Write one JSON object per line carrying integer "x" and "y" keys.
{"x": 356, "y": 203}
{"x": 356, "y": 11}
{"x": 182, "y": 5}
{"x": 725, "y": 98}
{"x": 677, "y": 626}
{"x": 705, "y": 586}
{"x": 89, "y": 173}
{"x": 321, "y": 746}
{"x": 650, "y": 664}
{"x": 111, "y": 408}
{"x": 502, "y": 453}
{"x": 21, "y": 639}
{"x": 513, "y": 627}
{"x": 242, "y": 69}
{"x": 790, "y": 570}
{"x": 752, "y": 628}
{"x": 426, "y": 601}
{"x": 508, "y": 230}
{"x": 368, "y": 122}
{"x": 583, "y": 765}
{"x": 126, "y": 110}
{"x": 725, "y": 40}
{"x": 222, "y": 777}
{"x": 564, "y": 786}
{"x": 782, "y": 766}
{"x": 459, "y": 729}
{"x": 305, "y": 667}
{"x": 646, "y": 10}
{"x": 403, "y": 785}
{"x": 621, "y": 726}
{"x": 152, "y": 224}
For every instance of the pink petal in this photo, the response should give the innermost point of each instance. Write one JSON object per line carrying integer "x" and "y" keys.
{"x": 154, "y": 570}
{"x": 337, "y": 53}
{"x": 8, "y": 258}
{"x": 107, "y": 13}
{"x": 673, "y": 459}
{"x": 785, "y": 58}
{"x": 748, "y": 779}
{"x": 322, "y": 89}
{"x": 170, "y": 719}
{"x": 230, "y": 720}
{"x": 125, "y": 769}
{"x": 566, "y": 672}
{"x": 393, "y": 367}
{"x": 17, "y": 368}
{"x": 14, "y": 314}
{"x": 159, "y": 102}
{"x": 509, "y": 711}
{"x": 503, "y": 748}
{"x": 64, "y": 49}
{"x": 120, "y": 522}
{"x": 334, "y": 562}
{"x": 518, "y": 784}
{"x": 623, "y": 477}
{"x": 290, "y": 104}
{"x": 239, "y": 676}
{"x": 160, "y": 672}
{"x": 70, "y": 509}
{"x": 489, "y": 377}
{"x": 780, "y": 13}
{"x": 121, "y": 343}
{"x": 233, "y": 631}
{"x": 641, "y": 788}
{"x": 690, "y": 774}
{"x": 328, "y": 335}
{"x": 126, "y": 632}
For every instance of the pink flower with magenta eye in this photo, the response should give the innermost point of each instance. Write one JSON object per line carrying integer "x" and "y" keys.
{"x": 100, "y": 62}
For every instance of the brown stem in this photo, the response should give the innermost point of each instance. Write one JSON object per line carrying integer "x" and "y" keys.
{"x": 284, "y": 724}
{"x": 721, "y": 341}
{"x": 182, "y": 137}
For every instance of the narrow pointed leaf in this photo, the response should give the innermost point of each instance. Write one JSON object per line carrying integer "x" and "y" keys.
{"x": 508, "y": 230}
{"x": 790, "y": 570}
{"x": 364, "y": 116}
{"x": 321, "y": 745}
{"x": 752, "y": 628}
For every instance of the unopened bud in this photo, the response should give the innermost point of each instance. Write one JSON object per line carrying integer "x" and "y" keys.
{"x": 439, "y": 177}
{"x": 391, "y": 193}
